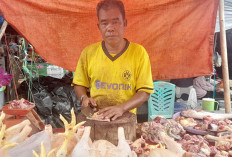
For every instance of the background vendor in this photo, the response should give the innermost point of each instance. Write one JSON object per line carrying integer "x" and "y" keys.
{"x": 203, "y": 88}
{"x": 117, "y": 71}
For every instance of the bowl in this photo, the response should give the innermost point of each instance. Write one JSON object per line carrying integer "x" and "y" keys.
{"x": 17, "y": 112}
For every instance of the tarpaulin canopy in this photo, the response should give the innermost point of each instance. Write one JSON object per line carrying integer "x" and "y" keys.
{"x": 227, "y": 14}
{"x": 178, "y": 34}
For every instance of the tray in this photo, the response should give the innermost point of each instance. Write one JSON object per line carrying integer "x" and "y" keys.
{"x": 17, "y": 112}
{"x": 191, "y": 129}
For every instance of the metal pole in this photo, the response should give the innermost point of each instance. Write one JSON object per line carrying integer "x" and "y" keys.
{"x": 224, "y": 58}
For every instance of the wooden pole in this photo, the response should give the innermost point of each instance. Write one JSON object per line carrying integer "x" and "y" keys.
{"x": 3, "y": 28}
{"x": 224, "y": 58}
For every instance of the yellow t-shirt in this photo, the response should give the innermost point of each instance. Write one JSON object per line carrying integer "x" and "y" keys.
{"x": 114, "y": 79}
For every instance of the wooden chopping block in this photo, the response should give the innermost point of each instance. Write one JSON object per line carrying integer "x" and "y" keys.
{"x": 109, "y": 130}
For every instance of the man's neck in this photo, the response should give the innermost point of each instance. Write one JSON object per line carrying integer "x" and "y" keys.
{"x": 116, "y": 48}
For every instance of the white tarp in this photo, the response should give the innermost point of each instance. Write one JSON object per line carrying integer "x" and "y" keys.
{"x": 228, "y": 16}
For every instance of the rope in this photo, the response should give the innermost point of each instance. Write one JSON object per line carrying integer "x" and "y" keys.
{"x": 20, "y": 69}
{"x": 11, "y": 68}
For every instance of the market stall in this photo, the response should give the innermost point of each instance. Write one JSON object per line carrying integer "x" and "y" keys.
{"x": 187, "y": 133}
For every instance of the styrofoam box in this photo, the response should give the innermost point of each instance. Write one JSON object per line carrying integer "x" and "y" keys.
{"x": 55, "y": 71}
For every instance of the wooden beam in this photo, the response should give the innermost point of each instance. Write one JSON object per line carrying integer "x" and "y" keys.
{"x": 224, "y": 58}
{"x": 3, "y": 29}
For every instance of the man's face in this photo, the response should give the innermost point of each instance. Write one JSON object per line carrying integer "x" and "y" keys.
{"x": 111, "y": 25}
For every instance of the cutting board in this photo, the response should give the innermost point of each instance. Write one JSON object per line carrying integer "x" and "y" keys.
{"x": 109, "y": 130}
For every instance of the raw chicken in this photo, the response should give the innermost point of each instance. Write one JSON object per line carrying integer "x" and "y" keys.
{"x": 162, "y": 153}
{"x": 80, "y": 133}
{"x": 2, "y": 116}
{"x": 48, "y": 127}
{"x": 22, "y": 136}
{"x": 16, "y": 129}
{"x": 70, "y": 130}
{"x": 201, "y": 114}
{"x": 57, "y": 141}
{"x": 2, "y": 153}
{"x": 149, "y": 130}
{"x": 98, "y": 117}
{"x": 43, "y": 153}
{"x": 103, "y": 148}
{"x": 171, "y": 144}
{"x": 123, "y": 147}
{"x": 195, "y": 144}
{"x": 82, "y": 149}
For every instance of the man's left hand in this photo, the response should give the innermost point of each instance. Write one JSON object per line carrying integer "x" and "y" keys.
{"x": 112, "y": 112}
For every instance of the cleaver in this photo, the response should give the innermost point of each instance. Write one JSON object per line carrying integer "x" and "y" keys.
{"x": 88, "y": 111}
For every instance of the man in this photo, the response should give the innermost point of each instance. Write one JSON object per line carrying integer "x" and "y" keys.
{"x": 203, "y": 88}
{"x": 117, "y": 71}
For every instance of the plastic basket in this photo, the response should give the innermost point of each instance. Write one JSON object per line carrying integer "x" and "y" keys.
{"x": 161, "y": 102}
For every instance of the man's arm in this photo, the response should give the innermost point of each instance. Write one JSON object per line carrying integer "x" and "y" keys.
{"x": 114, "y": 112}
{"x": 81, "y": 93}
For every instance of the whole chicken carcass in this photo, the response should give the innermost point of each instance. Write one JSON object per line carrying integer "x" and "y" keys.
{"x": 82, "y": 149}
{"x": 103, "y": 148}
{"x": 57, "y": 141}
{"x": 123, "y": 147}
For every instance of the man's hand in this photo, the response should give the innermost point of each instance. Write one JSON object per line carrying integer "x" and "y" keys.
{"x": 112, "y": 112}
{"x": 88, "y": 101}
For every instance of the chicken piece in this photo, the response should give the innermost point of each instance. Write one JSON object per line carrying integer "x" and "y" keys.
{"x": 22, "y": 136}
{"x": 2, "y": 116}
{"x": 159, "y": 145}
{"x": 222, "y": 143}
{"x": 98, "y": 117}
{"x": 42, "y": 152}
{"x": 171, "y": 144}
{"x": 70, "y": 130}
{"x": 201, "y": 114}
{"x": 162, "y": 153}
{"x": 3, "y": 128}
{"x": 16, "y": 129}
{"x": 49, "y": 129}
{"x": 57, "y": 141}
{"x": 4, "y": 146}
{"x": 80, "y": 133}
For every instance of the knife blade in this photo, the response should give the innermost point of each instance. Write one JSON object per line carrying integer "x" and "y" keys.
{"x": 88, "y": 111}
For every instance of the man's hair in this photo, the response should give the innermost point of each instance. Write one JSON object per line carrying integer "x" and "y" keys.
{"x": 107, "y": 4}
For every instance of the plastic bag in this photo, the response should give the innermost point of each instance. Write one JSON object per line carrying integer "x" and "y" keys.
{"x": 192, "y": 100}
{"x": 53, "y": 97}
{"x": 25, "y": 148}
{"x": 218, "y": 60}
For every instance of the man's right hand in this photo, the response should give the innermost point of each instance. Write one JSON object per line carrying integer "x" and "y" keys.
{"x": 88, "y": 101}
